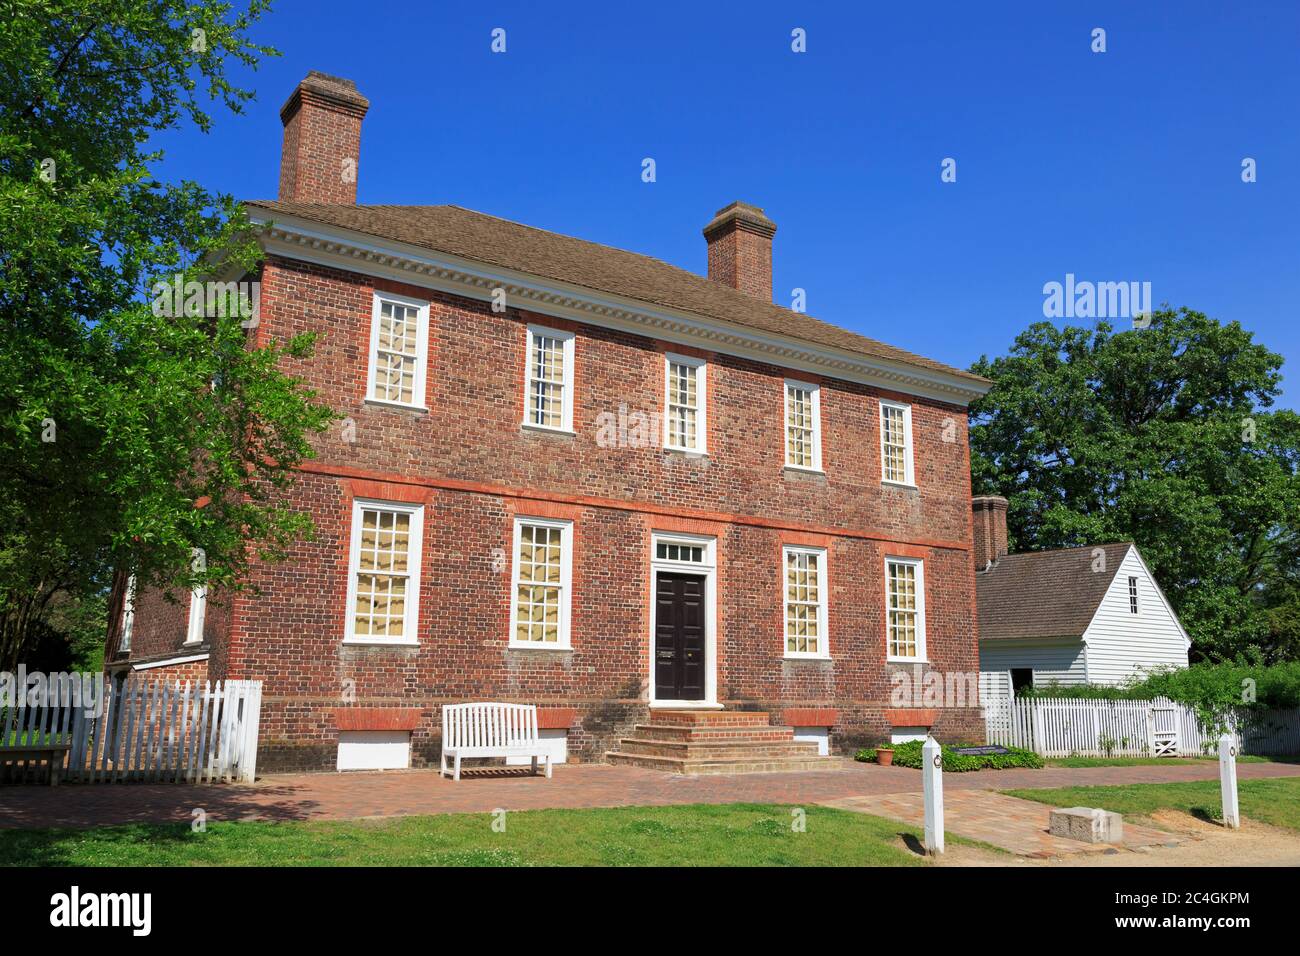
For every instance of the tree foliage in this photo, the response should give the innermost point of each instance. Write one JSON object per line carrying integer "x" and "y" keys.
{"x": 1165, "y": 436}
{"x": 129, "y": 438}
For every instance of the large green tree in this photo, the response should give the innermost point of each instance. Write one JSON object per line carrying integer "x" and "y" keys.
{"x": 1163, "y": 435}
{"x": 131, "y": 437}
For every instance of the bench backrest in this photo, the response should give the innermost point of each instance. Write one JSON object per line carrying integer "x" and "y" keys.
{"x": 489, "y": 725}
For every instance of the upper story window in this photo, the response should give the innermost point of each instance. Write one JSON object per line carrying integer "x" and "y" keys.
{"x": 805, "y": 602}
{"x": 384, "y": 578}
{"x": 542, "y": 569}
{"x": 896, "y": 443}
{"x": 1133, "y": 595}
{"x": 684, "y": 404}
{"x": 198, "y": 615}
{"x": 905, "y": 609}
{"x": 399, "y": 335}
{"x": 548, "y": 386}
{"x": 128, "y": 615}
{"x": 803, "y": 443}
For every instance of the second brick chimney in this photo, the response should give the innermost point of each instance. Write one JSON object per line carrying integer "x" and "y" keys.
{"x": 740, "y": 249}
{"x": 322, "y": 140}
{"x": 990, "y": 520}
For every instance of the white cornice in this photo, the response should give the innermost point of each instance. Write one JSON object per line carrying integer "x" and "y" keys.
{"x": 344, "y": 249}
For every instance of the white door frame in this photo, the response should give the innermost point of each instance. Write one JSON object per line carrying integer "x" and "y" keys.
{"x": 708, "y": 568}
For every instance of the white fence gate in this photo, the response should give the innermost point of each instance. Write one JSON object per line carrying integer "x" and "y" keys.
{"x": 1064, "y": 727}
{"x": 160, "y": 732}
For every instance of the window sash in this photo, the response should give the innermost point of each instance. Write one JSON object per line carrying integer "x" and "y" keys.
{"x": 398, "y": 342}
{"x": 905, "y": 609}
{"x": 684, "y": 404}
{"x": 384, "y": 573}
{"x": 1133, "y": 595}
{"x": 540, "y": 591}
{"x": 548, "y": 388}
{"x": 128, "y": 615}
{"x": 802, "y": 438}
{"x": 895, "y": 443}
{"x": 198, "y": 615}
{"x": 804, "y": 587}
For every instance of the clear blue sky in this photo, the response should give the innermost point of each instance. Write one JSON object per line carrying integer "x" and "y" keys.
{"x": 1117, "y": 166}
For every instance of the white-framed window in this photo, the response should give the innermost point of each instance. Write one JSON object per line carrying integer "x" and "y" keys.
{"x": 399, "y": 338}
{"x": 198, "y": 614}
{"x": 1133, "y": 595}
{"x": 128, "y": 615}
{"x": 685, "y": 403}
{"x": 896, "y": 443}
{"x": 804, "y": 571}
{"x": 548, "y": 382}
{"x": 540, "y": 595}
{"x": 803, "y": 412}
{"x": 384, "y": 572}
{"x": 905, "y": 609}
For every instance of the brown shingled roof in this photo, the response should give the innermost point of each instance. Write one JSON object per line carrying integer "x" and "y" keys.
{"x": 1042, "y": 594}
{"x": 499, "y": 242}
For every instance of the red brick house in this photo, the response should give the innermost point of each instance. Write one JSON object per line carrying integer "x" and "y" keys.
{"x": 582, "y": 478}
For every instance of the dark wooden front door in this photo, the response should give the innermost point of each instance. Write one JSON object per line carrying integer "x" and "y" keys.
{"x": 679, "y": 636}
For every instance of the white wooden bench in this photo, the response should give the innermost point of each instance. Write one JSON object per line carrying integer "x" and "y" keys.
{"x": 491, "y": 730}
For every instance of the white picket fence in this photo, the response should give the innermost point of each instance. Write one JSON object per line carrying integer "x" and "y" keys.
{"x": 1064, "y": 727}
{"x": 158, "y": 732}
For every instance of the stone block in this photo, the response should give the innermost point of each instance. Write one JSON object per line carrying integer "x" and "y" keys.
{"x": 1088, "y": 824}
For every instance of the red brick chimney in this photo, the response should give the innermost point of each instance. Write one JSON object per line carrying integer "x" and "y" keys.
{"x": 740, "y": 249}
{"x": 322, "y": 140}
{"x": 990, "y": 521}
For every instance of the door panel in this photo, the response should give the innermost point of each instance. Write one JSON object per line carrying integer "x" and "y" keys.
{"x": 679, "y": 637}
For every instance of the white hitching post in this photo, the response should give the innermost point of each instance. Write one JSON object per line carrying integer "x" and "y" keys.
{"x": 1228, "y": 781}
{"x": 932, "y": 785}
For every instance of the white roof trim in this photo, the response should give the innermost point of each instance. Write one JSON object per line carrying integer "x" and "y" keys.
{"x": 345, "y": 249}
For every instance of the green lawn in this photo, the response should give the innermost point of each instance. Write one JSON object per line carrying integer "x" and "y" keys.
{"x": 1268, "y": 801}
{"x": 1153, "y": 761}
{"x": 728, "y": 835}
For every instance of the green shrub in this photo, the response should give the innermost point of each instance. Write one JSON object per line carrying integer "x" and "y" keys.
{"x": 909, "y": 755}
{"x": 1212, "y": 690}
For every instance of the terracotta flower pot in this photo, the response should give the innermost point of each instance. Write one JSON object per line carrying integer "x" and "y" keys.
{"x": 884, "y": 756}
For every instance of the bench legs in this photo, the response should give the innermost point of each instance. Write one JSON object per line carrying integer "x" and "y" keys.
{"x": 455, "y": 773}
{"x": 442, "y": 771}
{"x": 547, "y": 758}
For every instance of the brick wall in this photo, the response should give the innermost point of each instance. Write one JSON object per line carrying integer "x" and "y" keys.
{"x": 472, "y": 465}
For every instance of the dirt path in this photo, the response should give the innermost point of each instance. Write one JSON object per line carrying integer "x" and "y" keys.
{"x": 1202, "y": 844}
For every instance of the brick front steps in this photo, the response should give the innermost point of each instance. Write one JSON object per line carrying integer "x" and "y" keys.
{"x": 715, "y": 741}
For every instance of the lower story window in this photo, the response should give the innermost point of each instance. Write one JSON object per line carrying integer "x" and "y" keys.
{"x": 542, "y": 568}
{"x": 805, "y": 602}
{"x": 385, "y": 572}
{"x": 905, "y": 608}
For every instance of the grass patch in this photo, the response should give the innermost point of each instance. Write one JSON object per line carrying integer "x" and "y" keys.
{"x": 695, "y": 835}
{"x": 1269, "y": 801}
{"x": 1154, "y": 761}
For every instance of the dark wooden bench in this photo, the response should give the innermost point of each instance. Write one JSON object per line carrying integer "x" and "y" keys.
{"x": 53, "y": 754}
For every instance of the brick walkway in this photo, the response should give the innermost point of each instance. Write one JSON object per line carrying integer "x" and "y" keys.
{"x": 1017, "y": 826}
{"x": 342, "y": 796}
